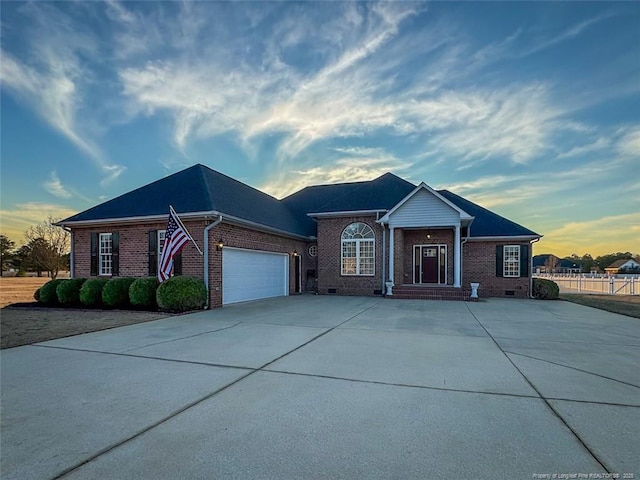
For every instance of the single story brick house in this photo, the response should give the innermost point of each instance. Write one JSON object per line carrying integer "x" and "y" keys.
{"x": 344, "y": 239}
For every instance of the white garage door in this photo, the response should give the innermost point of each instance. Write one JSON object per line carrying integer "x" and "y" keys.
{"x": 250, "y": 275}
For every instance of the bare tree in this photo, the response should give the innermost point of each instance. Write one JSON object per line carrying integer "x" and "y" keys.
{"x": 51, "y": 244}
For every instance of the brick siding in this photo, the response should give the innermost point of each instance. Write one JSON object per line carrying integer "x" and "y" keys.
{"x": 479, "y": 265}
{"x": 240, "y": 237}
{"x": 134, "y": 251}
{"x": 329, "y": 255}
{"x": 478, "y": 257}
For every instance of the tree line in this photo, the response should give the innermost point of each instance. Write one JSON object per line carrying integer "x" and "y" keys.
{"x": 46, "y": 250}
{"x": 588, "y": 264}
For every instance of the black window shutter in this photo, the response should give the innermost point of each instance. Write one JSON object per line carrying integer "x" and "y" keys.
{"x": 524, "y": 260}
{"x": 177, "y": 264}
{"x": 94, "y": 254}
{"x": 115, "y": 253}
{"x": 153, "y": 253}
{"x": 499, "y": 261}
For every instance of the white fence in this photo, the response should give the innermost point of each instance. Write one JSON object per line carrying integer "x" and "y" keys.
{"x": 598, "y": 284}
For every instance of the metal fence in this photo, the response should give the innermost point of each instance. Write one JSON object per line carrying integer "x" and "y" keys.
{"x": 597, "y": 284}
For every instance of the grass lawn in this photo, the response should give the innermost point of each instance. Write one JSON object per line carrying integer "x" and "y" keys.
{"x": 623, "y": 304}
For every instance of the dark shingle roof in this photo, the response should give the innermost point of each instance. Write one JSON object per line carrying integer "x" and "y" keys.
{"x": 487, "y": 223}
{"x": 198, "y": 189}
{"x": 381, "y": 193}
{"x": 201, "y": 189}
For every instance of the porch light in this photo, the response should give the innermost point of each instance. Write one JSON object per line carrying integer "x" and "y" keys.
{"x": 219, "y": 245}
{"x": 295, "y": 253}
{"x": 428, "y": 236}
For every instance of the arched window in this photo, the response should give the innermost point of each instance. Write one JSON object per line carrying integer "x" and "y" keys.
{"x": 358, "y": 250}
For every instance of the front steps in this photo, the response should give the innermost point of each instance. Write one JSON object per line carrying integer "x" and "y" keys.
{"x": 430, "y": 292}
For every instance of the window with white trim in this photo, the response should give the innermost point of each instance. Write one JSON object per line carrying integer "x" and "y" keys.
{"x": 105, "y": 259}
{"x": 511, "y": 261}
{"x": 358, "y": 250}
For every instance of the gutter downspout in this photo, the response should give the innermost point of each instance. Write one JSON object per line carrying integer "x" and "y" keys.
{"x": 206, "y": 256}
{"x": 71, "y": 265}
{"x": 531, "y": 267}
{"x": 384, "y": 259}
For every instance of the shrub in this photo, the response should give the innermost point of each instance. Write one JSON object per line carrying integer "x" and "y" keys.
{"x": 142, "y": 292}
{"x": 48, "y": 293}
{"x": 545, "y": 289}
{"x": 21, "y": 273}
{"x": 36, "y": 295}
{"x": 115, "y": 293}
{"x": 91, "y": 291}
{"x": 181, "y": 294}
{"x": 69, "y": 291}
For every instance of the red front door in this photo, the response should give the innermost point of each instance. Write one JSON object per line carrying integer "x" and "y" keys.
{"x": 430, "y": 265}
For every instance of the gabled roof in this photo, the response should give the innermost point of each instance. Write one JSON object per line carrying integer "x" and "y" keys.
{"x": 197, "y": 189}
{"x": 621, "y": 262}
{"x": 423, "y": 186}
{"x": 487, "y": 223}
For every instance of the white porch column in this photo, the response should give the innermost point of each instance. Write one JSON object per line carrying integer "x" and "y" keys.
{"x": 391, "y": 242}
{"x": 456, "y": 257}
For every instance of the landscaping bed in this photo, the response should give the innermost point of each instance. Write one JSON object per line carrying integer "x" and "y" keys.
{"x": 623, "y": 304}
{"x": 23, "y": 324}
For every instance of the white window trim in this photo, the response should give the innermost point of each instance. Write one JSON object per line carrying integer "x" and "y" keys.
{"x": 357, "y": 242}
{"x": 505, "y": 272}
{"x": 101, "y": 270}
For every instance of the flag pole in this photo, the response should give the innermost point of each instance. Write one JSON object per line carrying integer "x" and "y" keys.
{"x": 175, "y": 214}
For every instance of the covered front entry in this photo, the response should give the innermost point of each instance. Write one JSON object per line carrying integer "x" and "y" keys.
{"x": 430, "y": 264}
{"x": 433, "y": 228}
{"x": 251, "y": 275}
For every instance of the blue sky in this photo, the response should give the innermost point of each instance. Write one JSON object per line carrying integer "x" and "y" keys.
{"x": 530, "y": 109}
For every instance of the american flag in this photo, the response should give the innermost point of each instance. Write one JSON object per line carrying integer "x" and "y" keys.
{"x": 175, "y": 238}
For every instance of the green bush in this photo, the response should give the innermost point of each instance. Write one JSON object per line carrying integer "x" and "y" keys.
{"x": 69, "y": 291}
{"x": 142, "y": 292}
{"x": 48, "y": 293}
{"x": 115, "y": 293}
{"x": 91, "y": 291}
{"x": 36, "y": 295}
{"x": 545, "y": 289}
{"x": 21, "y": 273}
{"x": 181, "y": 294}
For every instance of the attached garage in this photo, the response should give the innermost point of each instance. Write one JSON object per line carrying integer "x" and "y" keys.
{"x": 251, "y": 275}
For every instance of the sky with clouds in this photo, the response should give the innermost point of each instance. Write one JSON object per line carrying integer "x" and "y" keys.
{"x": 529, "y": 109}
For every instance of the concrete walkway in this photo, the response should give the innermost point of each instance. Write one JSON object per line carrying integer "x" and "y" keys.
{"x": 331, "y": 387}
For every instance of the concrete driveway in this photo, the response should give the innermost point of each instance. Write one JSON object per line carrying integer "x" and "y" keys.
{"x": 331, "y": 387}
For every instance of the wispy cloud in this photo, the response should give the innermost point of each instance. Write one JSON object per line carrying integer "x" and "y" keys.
{"x": 53, "y": 79}
{"x": 354, "y": 165}
{"x": 54, "y": 186}
{"x": 581, "y": 150}
{"x": 629, "y": 143}
{"x": 16, "y": 220}
{"x": 569, "y": 33}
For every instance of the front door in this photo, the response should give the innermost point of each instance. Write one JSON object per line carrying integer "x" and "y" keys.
{"x": 430, "y": 264}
